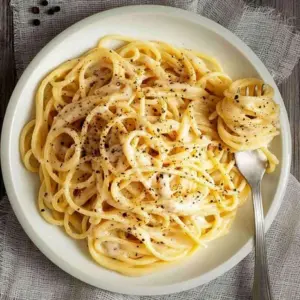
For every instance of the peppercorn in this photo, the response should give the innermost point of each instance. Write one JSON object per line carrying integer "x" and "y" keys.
{"x": 36, "y": 22}
{"x": 50, "y": 11}
{"x": 35, "y": 10}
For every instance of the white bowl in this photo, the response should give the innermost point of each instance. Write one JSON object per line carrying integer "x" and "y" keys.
{"x": 177, "y": 27}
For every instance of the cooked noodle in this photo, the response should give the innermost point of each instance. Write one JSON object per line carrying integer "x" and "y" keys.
{"x": 135, "y": 150}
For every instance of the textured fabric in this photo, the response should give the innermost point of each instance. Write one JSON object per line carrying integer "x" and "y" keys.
{"x": 26, "y": 274}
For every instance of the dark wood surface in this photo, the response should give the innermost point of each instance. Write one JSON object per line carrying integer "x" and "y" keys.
{"x": 7, "y": 66}
{"x": 290, "y": 89}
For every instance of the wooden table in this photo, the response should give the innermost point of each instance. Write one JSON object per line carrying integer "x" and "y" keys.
{"x": 290, "y": 89}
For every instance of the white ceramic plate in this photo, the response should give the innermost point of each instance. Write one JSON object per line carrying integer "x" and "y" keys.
{"x": 177, "y": 27}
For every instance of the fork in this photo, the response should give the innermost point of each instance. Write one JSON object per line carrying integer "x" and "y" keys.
{"x": 252, "y": 165}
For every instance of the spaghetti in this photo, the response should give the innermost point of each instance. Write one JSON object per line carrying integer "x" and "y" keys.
{"x": 135, "y": 147}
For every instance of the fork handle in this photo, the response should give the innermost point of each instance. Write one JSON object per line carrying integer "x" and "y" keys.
{"x": 261, "y": 285}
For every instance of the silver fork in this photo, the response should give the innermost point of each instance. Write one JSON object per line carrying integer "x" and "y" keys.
{"x": 252, "y": 165}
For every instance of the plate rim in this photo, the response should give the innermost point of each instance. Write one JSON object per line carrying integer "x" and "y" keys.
{"x": 27, "y": 226}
